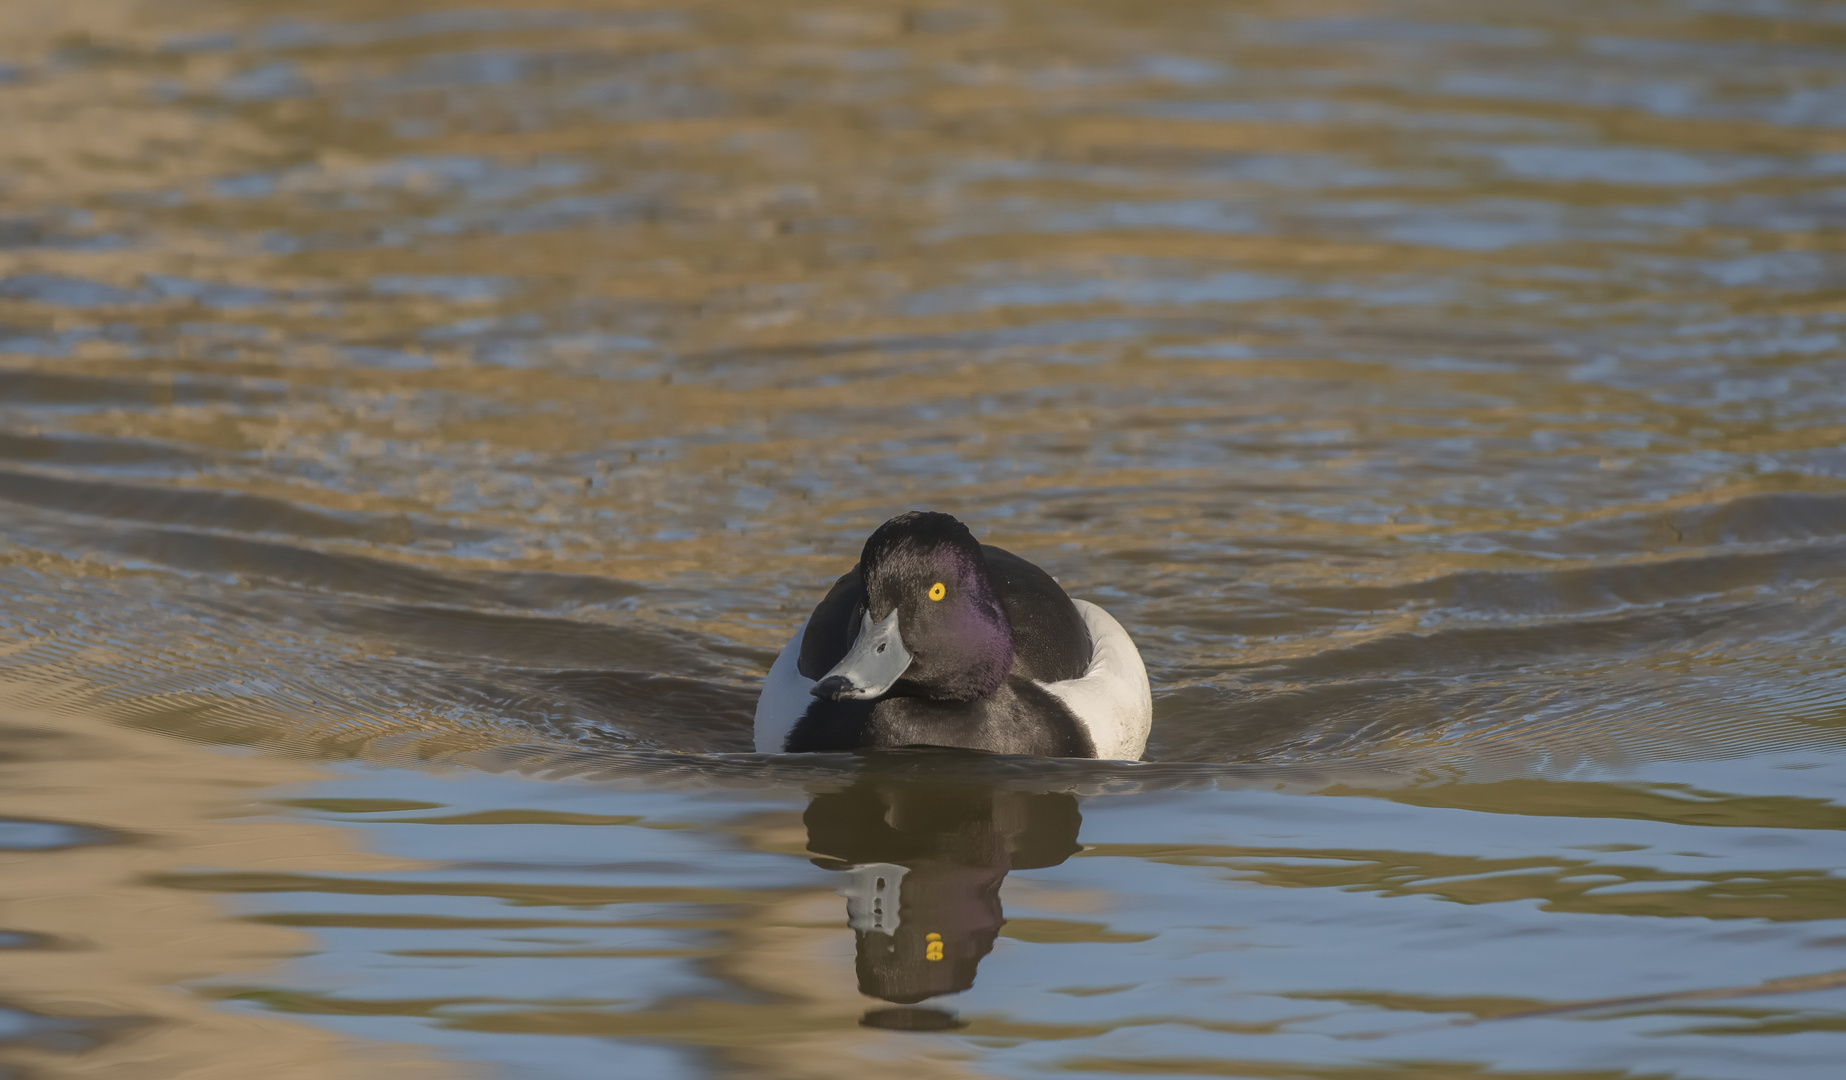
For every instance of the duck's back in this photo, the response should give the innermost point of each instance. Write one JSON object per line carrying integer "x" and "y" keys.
{"x": 1050, "y": 642}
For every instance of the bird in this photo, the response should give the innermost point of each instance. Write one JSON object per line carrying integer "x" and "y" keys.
{"x": 934, "y": 639}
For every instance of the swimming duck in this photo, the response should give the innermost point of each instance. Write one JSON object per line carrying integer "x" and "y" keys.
{"x": 935, "y": 639}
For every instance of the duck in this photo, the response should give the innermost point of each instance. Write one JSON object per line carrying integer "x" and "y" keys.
{"x": 934, "y": 639}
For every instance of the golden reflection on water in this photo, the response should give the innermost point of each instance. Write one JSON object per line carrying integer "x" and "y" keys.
{"x": 109, "y": 946}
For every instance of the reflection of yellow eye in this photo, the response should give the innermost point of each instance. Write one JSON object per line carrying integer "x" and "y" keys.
{"x": 937, "y": 592}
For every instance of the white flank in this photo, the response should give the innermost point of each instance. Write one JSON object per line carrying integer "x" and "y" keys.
{"x": 786, "y": 695}
{"x": 1112, "y": 700}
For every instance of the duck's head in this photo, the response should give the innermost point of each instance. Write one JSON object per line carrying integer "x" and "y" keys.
{"x": 933, "y": 626}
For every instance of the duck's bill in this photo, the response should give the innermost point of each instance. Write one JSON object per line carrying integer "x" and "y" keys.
{"x": 875, "y": 662}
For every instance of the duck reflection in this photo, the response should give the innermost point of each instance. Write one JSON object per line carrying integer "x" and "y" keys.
{"x": 923, "y": 862}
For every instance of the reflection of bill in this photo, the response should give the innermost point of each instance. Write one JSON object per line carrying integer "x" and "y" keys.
{"x": 924, "y": 861}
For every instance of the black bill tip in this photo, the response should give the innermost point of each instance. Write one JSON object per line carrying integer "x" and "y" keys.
{"x": 833, "y": 687}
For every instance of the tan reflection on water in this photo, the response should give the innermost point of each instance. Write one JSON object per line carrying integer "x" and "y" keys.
{"x": 741, "y": 264}
{"x": 114, "y": 950}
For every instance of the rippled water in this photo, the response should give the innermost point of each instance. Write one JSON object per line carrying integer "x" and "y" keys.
{"x": 421, "y": 424}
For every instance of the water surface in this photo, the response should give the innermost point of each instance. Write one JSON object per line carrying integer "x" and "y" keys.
{"x": 419, "y": 428}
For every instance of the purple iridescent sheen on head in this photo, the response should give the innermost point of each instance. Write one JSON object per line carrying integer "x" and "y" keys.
{"x": 961, "y": 645}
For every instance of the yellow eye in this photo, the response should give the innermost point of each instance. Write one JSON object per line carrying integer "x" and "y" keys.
{"x": 937, "y": 592}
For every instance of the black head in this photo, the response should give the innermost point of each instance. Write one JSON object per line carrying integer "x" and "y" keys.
{"x": 929, "y": 568}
